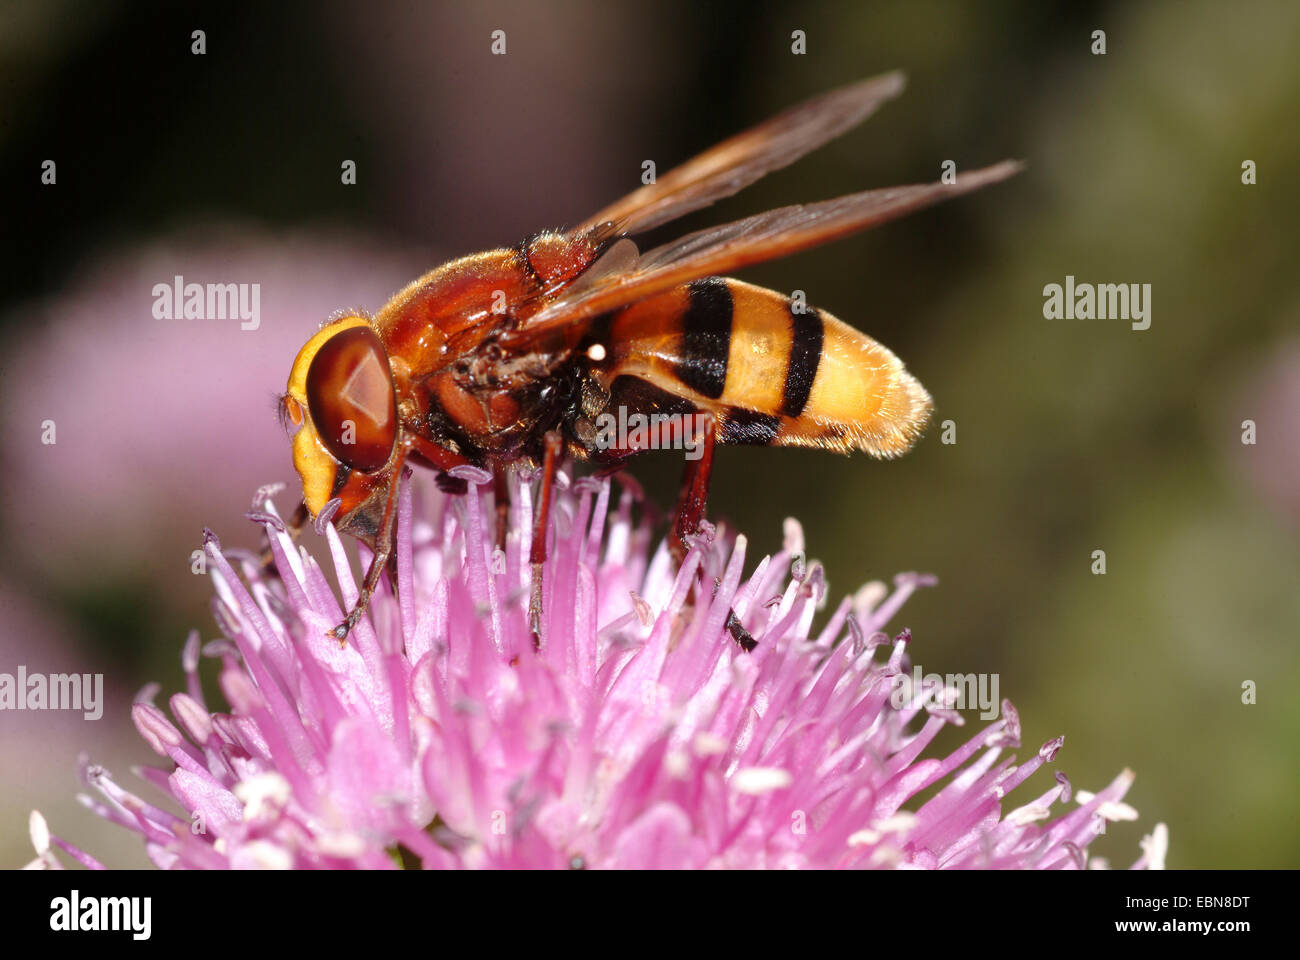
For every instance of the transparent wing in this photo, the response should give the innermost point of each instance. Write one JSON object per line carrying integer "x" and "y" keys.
{"x": 739, "y": 161}
{"x": 719, "y": 250}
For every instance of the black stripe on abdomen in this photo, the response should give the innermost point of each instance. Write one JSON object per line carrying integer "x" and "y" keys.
{"x": 807, "y": 336}
{"x": 706, "y": 337}
{"x": 747, "y": 427}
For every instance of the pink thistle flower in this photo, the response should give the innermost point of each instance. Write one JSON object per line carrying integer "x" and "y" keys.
{"x": 639, "y": 735}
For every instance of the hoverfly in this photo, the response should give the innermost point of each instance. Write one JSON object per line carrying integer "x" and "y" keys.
{"x": 511, "y": 355}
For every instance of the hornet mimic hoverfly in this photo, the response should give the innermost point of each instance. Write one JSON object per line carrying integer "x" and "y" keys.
{"x": 510, "y": 356}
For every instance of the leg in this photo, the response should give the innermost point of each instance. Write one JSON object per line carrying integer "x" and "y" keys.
{"x": 501, "y": 495}
{"x": 383, "y": 553}
{"x": 690, "y": 511}
{"x": 695, "y": 492}
{"x": 383, "y": 550}
{"x": 541, "y": 522}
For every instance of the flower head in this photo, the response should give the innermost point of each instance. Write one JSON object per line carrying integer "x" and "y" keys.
{"x": 638, "y": 735}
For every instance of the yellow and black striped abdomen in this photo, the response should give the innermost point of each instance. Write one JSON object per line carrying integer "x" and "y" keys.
{"x": 772, "y": 371}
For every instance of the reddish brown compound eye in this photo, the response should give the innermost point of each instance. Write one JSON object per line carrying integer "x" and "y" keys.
{"x": 350, "y": 398}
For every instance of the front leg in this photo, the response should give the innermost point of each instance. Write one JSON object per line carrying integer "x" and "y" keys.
{"x": 383, "y": 553}
{"x": 424, "y": 451}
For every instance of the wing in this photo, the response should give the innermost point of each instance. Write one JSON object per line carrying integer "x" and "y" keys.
{"x": 770, "y": 371}
{"x": 717, "y": 250}
{"x": 736, "y": 163}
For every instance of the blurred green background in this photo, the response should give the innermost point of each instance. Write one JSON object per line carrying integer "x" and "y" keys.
{"x": 1072, "y": 435}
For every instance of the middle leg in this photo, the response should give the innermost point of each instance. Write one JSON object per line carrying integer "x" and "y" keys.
{"x": 501, "y": 497}
{"x": 541, "y": 523}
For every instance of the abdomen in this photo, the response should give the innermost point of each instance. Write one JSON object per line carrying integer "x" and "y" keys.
{"x": 773, "y": 372}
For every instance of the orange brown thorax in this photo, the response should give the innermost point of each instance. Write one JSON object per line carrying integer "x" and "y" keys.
{"x": 428, "y": 369}
{"x": 453, "y": 378}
